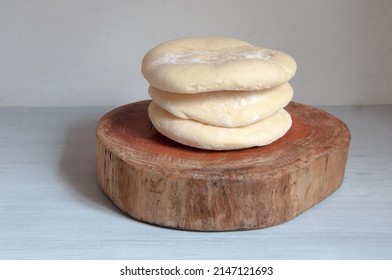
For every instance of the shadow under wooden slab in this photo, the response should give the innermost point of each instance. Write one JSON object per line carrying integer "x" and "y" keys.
{"x": 77, "y": 164}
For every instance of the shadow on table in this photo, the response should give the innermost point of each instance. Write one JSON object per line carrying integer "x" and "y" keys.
{"x": 77, "y": 164}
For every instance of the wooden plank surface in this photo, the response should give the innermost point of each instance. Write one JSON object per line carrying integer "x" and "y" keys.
{"x": 51, "y": 206}
{"x": 157, "y": 180}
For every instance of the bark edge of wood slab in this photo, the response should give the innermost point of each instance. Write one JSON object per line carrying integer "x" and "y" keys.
{"x": 159, "y": 181}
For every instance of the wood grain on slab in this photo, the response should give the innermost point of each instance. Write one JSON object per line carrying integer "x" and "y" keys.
{"x": 157, "y": 180}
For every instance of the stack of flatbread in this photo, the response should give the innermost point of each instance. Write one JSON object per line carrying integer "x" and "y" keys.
{"x": 219, "y": 93}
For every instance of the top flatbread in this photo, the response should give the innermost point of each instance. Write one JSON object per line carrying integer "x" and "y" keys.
{"x": 203, "y": 64}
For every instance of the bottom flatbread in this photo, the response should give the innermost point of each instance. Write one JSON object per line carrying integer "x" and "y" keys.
{"x": 200, "y": 135}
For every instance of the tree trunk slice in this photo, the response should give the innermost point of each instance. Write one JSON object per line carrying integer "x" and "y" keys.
{"x": 159, "y": 181}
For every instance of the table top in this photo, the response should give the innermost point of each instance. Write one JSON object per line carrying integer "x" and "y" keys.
{"x": 51, "y": 206}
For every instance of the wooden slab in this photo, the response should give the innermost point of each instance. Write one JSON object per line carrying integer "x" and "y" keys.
{"x": 159, "y": 181}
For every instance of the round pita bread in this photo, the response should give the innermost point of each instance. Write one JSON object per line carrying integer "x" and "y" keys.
{"x": 203, "y": 64}
{"x": 200, "y": 135}
{"x": 224, "y": 108}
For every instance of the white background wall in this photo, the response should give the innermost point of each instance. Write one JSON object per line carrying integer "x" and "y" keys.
{"x": 75, "y": 52}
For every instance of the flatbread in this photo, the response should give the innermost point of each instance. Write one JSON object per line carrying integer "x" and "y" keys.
{"x": 200, "y": 135}
{"x": 224, "y": 108}
{"x": 203, "y": 64}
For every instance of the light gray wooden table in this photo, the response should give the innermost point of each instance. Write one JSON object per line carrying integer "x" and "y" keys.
{"x": 51, "y": 206}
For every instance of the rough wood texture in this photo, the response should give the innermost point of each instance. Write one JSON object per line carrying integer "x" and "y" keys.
{"x": 159, "y": 181}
